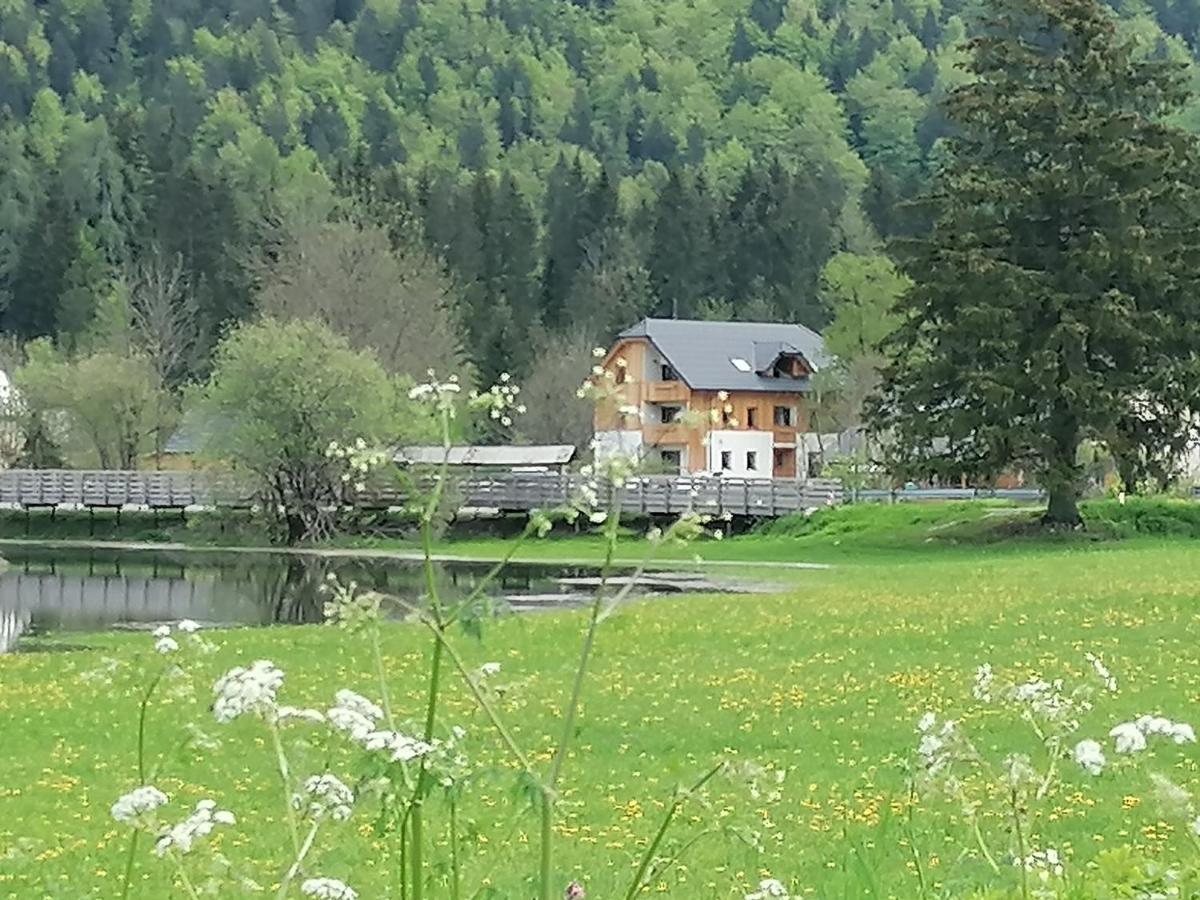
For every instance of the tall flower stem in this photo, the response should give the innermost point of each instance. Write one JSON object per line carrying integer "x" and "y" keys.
{"x": 550, "y": 785}
{"x": 294, "y": 868}
{"x": 1020, "y": 836}
{"x": 187, "y": 884}
{"x": 681, "y": 798}
{"x": 285, "y": 777}
{"x": 912, "y": 841}
{"x": 143, "y": 712}
{"x": 416, "y": 817}
{"x": 455, "y": 874}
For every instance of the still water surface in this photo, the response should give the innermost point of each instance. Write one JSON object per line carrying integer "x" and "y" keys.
{"x": 46, "y": 591}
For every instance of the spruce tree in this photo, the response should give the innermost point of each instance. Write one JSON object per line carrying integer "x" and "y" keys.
{"x": 1056, "y": 298}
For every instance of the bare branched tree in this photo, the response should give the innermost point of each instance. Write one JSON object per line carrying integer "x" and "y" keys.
{"x": 163, "y": 312}
{"x": 556, "y": 415}
{"x": 396, "y": 301}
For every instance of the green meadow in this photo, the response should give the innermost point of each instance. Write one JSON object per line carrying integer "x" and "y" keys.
{"x": 818, "y": 685}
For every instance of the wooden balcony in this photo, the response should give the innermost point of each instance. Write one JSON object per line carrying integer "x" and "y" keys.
{"x": 674, "y": 433}
{"x": 667, "y": 392}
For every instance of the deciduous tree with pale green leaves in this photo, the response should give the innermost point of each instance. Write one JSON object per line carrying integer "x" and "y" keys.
{"x": 1057, "y": 295}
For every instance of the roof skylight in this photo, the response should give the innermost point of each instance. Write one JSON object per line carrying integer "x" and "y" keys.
{"x": 740, "y": 364}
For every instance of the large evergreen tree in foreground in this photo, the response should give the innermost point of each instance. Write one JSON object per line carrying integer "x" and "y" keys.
{"x": 1056, "y": 297}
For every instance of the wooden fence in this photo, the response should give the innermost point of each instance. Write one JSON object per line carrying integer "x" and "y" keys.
{"x": 506, "y": 492}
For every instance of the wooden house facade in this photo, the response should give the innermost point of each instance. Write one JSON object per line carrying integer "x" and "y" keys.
{"x": 712, "y": 397}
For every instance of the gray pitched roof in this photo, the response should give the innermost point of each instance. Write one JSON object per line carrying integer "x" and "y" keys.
{"x": 702, "y": 352}
{"x": 500, "y": 456}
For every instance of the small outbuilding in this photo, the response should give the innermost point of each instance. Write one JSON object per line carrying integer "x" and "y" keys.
{"x": 537, "y": 458}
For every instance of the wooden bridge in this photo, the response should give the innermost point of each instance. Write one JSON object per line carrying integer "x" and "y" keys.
{"x": 28, "y": 489}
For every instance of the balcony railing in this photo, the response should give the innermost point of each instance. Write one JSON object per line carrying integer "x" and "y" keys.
{"x": 666, "y": 392}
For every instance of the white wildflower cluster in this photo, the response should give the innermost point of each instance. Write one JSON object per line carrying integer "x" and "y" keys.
{"x": 359, "y": 460}
{"x": 182, "y": 837}
{"x": 1106, "y": 677}
{"x": 603, "y": 383}
{"x": 252, "y": 691}
{"x": 1048, "y": 705}
{"x": 938, "y": 745}
{"x": 499, "y": 401}
{"x": 1043, "y": 863}
{"x": 769, "y": 888}
{"x": 447, "y": 762}
{"x": 328, "y": 889}
{"x": 442, "y": 395}
{"x": 982, "y": 689}
{"x": 359, "y": 719}
{"x": 165, "y": 643}
{"x": 347, "y": 606}
{"x": 1090, "y": 756}
{"x": 324, "y": 796}
{"x": 138, "y": 806}
{"x": 1018, "y": 772}
{"x": 1130, "y": 737}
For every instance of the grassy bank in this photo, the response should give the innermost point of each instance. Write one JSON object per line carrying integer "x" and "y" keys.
{"x": 823, "y": 682}
{"x": 862, "y": 534}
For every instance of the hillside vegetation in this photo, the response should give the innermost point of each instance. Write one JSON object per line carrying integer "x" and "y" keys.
{"x": 572, "y": 165}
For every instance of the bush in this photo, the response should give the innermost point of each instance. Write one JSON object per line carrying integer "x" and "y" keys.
{"x": 1165, "y": 516}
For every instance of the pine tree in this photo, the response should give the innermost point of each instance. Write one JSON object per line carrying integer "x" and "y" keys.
{"x": 682, "y": 252}
{"x": 1057, "y": 296}
{"x": 741, "y": 48}
{"x": 49, "y": 250}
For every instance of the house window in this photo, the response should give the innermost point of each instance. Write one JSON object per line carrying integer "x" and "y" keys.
{"x": 751, "y": 460}
{"x": 752, "y": 417}
{"x": 726, "y": 460}
{"x": 669, "y": 373}
{"x": 672, "y": 460}
{"x": 785, "y": 417}
{"x": 727, "y": 418}
{"x": 669, "y": 414}
{"x": 620, "y": 375}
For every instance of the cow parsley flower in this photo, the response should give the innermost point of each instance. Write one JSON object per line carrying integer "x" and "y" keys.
{"x": 768, "y": 888}
{"x": 135, "y": 807}
{"x": 325, "y": 796}
{"x": 161, "y": 631}
{"x": 354, "y": 724}
{"x": 1128, "y": 738}
{"x": 1043, "y": 863}
{"x": 165, "y": 645}
{"x": 1179, "y": 732}
{"x": 1090, "y": 756}
{"x": 982, "y": 690}
{"x": 489, "y": 670}
{"x": 328, "y": 889}
{"x": 346, "y": 699}
{"x": 182, "y": 837}
{"x": 401, "y": 747}
{"x": 1019, "y": 771}
{"x": 247, "y": 690}
{"x": 188, "y": 626}
{"x": 1106, "y": 677}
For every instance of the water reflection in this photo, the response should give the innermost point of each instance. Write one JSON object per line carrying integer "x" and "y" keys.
{"x": 51, "y": 591}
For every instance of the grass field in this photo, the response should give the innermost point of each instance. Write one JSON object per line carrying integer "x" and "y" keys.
{"x": 824, "y": 682}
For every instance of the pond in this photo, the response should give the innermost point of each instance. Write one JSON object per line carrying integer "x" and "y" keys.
{"x": 45, "y": 591}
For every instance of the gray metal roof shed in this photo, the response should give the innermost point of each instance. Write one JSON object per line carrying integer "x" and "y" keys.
{"x": 498, "y": 457}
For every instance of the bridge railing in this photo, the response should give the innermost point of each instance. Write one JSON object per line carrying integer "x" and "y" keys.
{"x": 507, "y": 492}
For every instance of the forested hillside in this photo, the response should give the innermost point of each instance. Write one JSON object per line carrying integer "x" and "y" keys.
{"x": 544, "y": 170}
